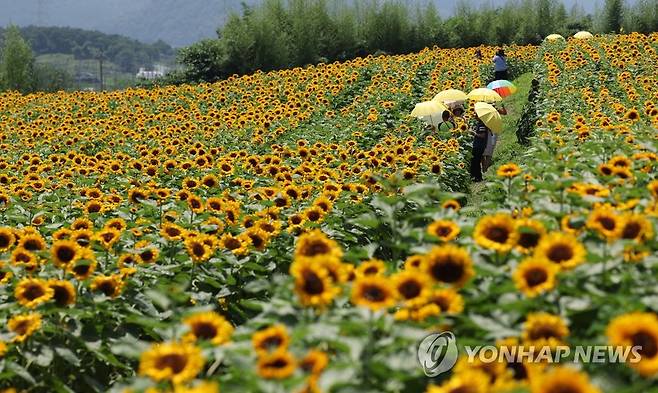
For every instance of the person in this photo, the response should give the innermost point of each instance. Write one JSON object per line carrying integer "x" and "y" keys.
{"x": 480, "y": 136}
{"x": 458, "y": 111}
{"x": 500, "y": 65}
{"x": 478, "y": 54}
{"x": 487, "y": 156}
{"x": 447, "y": 123}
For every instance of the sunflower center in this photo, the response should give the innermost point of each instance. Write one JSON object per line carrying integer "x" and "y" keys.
{"x": 535, "y": 277}
{"x": 4, "y": 241}
{"x": 409, "y": 289}
{"x": 529, "y": 239}
{"x": 277, "y": 363}
{"x": 146, "y": 255}
{"x": 518, "y": 370}
{"x": 560, "y": 253}
{"x": 198, "y": 250}
{"x": 21, "y": 328}
{"x": 61, "y": 295}
{"x": 232, "y": 244}
{"x": 543, "y": 332}
{"x": 313, "y": 285}
{"x": 32, "y": 245}
{"x": 256, "y": 240}
{"x": 317, "y": 248}
{"x": 497, "y": 234}
{"x": 631, "y": 230}
{"x": 175, "y": 362}
{"x": 205, "y": 330}
{"x": 313, "y": 215}
{"x": 443, "y": 231}
{"x": 81, "y": 270}
{"x": 272, "y": 342}
{"x": 373, "y": 293}
{"x": 34, "y": 292}
{"x": 65, "y": 254}
{"x": 647, "y": 342}
{"x": 449, "y": 271}
{"x": 107, "y": 287}
{"x": 607, "y": 222}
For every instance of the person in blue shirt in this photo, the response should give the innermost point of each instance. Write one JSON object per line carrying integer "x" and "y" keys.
{"x": 500, "y": 65}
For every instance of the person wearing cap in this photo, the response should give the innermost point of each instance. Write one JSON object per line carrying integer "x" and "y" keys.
{"x": 480, "y": 137}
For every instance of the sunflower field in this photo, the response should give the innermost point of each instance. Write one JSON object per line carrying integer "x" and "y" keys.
{"x": 297, "y": 231}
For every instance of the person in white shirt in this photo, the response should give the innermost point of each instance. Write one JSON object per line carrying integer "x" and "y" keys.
{"x": 500, "y": 65}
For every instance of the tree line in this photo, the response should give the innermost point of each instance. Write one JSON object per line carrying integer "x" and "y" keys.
{"x": 287, "y": 33}
{"x": 127, "y": 53}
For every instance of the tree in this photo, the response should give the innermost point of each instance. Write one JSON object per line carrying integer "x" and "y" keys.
{"x": 17, "y": 62}
{"x": 614, "y": 15}
{"x": 203, "y": 61}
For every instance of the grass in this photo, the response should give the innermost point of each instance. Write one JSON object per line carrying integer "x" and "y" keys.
{"x": 507, "y": 147}
{"x": 114, "y": 78}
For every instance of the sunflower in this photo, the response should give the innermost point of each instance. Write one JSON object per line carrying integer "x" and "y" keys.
{"x": 198, "y": 249}
{"x": 449, "y": 264}
{"x": 636, "y": 227}
{"x": 414, "y": 262}
{"x": 83, "y": 237}
{"x": 82, "y": 223}
{"x": 277, "y": 365}
{"x": 24, "y": 325}
{"x": 451, "y": 204}
{"x": 373, "y": 292}
{"x": 535, "y": 276}
{"x": 258, "y": 237}
{"x": 313, "y": 284}
{"x": 561, "y": 249}
{"x": 543, "y": 329}
{"x": 445, "y": 230}
{"x": 31, "y": 292}
{"x": 496, "y": 232}
{"x": 413, "y": 288}
{"x": 315, "y": 243}
{"x": 64, "y": 293}
{"x": 172, "y": 232}
{"x": 314, "y": 362}
{"x": 471, "y": 381}
{"x": 529, "y": 233}
{"x": 175, "y": 362}
{"x": 7, "y": 239}
{"x": 110, "y": 286}
{"x": 637, "y": 329}
{"x": 84, "y": 266}
{"x": 509, "y": 170}
{"x": 272, "y": 339}
{"x": 371, "y": 267}
{"x": 561, "y": 380}
{"x": 606, "y": 222}
{"x": 32, "y": 242}
{"x": 64, "y": 252}
{"x": 148, "y": 255}
{"x": 572, "y": 224}
{"x": 236, "y": 244}
{"x": 448, "y": 300}
{"x": 107, "y": 237}
{"x": 208, "y": 326}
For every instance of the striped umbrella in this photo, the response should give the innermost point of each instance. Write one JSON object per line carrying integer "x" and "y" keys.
{"x": 502, "y": 87}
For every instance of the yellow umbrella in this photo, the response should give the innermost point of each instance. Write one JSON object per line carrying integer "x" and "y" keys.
{"x": 430, "y": 111}
{"x": 489, "y": 116}
{"x": 554, "y": 37}
{"x": 484, "y": 94}
{"x": 450, "y": 95}
{"x": 583, "y": 35}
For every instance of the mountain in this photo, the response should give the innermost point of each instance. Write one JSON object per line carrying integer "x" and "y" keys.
{"x": 176, "y": 22}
